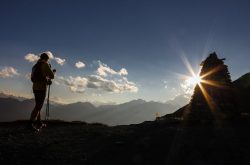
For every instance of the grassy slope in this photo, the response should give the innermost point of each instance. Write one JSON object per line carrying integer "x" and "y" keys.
{"x": 162, "y": 142}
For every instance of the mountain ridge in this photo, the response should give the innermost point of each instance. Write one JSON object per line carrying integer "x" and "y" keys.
{"x": 132, "y": 112}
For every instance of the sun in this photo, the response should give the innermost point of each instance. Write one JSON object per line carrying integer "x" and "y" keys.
{"x": 194, "y": 80}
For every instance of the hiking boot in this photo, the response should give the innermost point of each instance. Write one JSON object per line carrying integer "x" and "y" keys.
{"x": 40, "y": 124}
{"x": 30, "y": 126}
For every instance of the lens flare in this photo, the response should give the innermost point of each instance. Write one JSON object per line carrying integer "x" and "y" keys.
{"x": 201, "y": 81}
{"x": 194, "y": 80}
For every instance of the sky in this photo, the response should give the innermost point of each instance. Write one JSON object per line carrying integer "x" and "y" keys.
{"x": 120, "y": 50}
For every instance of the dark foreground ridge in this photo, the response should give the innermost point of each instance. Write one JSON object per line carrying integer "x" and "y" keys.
{"x": 164, "y": 141}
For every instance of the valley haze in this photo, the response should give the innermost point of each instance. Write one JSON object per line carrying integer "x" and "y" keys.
{"x": 133, "y": 112}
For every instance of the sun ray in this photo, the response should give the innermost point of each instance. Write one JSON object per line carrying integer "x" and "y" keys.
{"x": 208, "y": 98}
{"x": 183, "y": 76}
{"x": 200, "y": 80}
{"x": 210, "y": 72}
{"x": 212, "y": 83}
{"x": 188, "y": 65}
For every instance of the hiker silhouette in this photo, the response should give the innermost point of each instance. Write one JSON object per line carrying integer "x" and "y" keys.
{"x": 41, "y": 77}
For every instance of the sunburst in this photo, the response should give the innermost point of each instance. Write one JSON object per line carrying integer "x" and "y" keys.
{"x": 194, "y": 80}
{"x": 200, "y": 80}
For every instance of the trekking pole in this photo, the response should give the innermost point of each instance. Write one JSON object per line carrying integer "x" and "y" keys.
{"x": 47, "y": 106}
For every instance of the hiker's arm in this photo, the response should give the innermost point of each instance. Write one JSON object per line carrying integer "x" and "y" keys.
{"x": 47, "y": 71}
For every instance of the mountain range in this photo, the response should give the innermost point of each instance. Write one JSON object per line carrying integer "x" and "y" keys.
{"x": 133, "y": 112}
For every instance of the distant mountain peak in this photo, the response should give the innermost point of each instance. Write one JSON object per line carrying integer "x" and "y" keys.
{"x": 79, "y": 104}
{"x": 137, "y": 101}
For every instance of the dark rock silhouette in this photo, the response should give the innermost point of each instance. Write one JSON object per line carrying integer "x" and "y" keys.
{"x": 214, "y": 97}
{"x": 243, "y": 86}
{"x": 217, "y": 97}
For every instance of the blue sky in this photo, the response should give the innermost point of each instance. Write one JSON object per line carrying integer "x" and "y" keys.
{"x": 146, "y": 38}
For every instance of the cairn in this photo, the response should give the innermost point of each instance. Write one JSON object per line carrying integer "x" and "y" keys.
{"x": 213, "y": 98}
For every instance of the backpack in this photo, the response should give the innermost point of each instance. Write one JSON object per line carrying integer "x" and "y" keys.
{"x": 36, "y": 74}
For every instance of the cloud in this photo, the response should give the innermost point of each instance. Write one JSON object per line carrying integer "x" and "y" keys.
{"x": 60, "y": 61}
{"x": 80, "y": 64}
{"x": 31, "y": 57}
{"x": 28, "y": 76}
{"x": 102, "y": 80}
{"x": 51, "y": 56}
{"x": 123, "y": 72}
{"x": 119, "y": 86}
{"x": 8, "y": 72}
{"x": 165, "y": 82}
{"x": 80, "y": 84}
{"x": 58, "y": 100}
{"x": 75, "y": 84}
{"x": 34, "y": 58}
{"x": 187, "y": 87}
{"x": 104, "y": 70}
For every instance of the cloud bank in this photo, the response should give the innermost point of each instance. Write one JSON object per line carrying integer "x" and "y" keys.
{"x": 102, "y": 80}
{"x": 80, "y": 84}
{"x": 8, "y": 72}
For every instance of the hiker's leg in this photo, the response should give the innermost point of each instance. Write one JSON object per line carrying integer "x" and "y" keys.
{"x": 35, "y": 111}
{"x": 39, "y": 116}
{"x": 33, "y": 115}
{"x": 40, "y": 100}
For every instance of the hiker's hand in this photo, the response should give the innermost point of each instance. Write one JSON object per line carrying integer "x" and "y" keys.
{"x": 49, "y": 81}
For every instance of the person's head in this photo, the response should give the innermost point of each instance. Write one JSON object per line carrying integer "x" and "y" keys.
{"x": 44, "y": 56}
